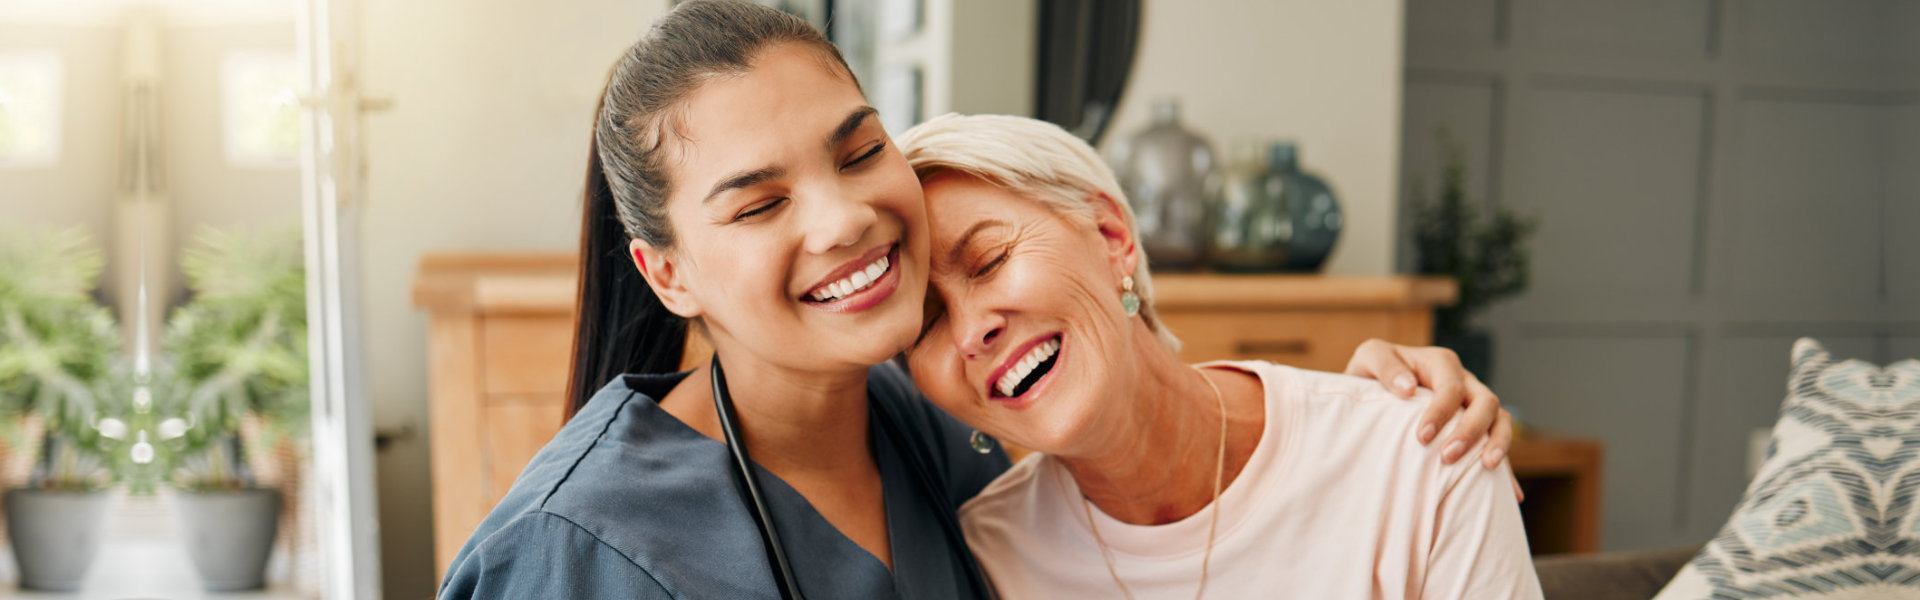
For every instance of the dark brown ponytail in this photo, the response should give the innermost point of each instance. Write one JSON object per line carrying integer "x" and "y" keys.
{"x": 621, "y": 327}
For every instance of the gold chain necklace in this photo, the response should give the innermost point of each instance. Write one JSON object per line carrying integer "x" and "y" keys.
{"x": 1213, "y": 522}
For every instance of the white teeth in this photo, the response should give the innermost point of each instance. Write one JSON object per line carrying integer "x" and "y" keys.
{"x": 1039, "y": 354}
{"x": 859, "y": 280}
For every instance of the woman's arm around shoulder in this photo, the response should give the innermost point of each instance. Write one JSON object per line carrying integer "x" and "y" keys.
{"x": 1480, "y": 545}
{"x": 543, "y": 555}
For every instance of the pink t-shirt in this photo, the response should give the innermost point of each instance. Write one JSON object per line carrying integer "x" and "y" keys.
{"x": 1338, "y": 501}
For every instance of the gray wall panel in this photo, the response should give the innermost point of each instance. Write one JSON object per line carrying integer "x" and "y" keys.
{"x": 1625, "y": 391}
{"x": 1749, "y": 381}
{"x": 1804, "y": 231}
{"x": 1631, "y": 28}
{"x": 1466, "y": 110}
{"x": 1851, "y": 32}
{"x": 1906, "y": 44}
{"x": 1903, "y": 348}
{"x": 1614, "y": 179}
{"x": 1472, "y": 24}
{"x": 1713, "y": 178}
{"x": 1901, "y": 229}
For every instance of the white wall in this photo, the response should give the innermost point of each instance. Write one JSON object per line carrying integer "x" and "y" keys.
{"x": 204, "y": 188}
{"x": 1326, "y": 74}
{"x": 78, "y": 189}
{"x": 992, "y": 63}
{"x": 484, "y": 149}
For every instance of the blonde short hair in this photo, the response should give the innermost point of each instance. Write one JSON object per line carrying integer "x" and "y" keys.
{"x": 1036, "y": 160}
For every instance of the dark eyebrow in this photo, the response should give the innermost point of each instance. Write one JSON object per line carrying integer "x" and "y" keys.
{"x": 849, "y": 125}
{"x": 744, "y": 180}
{"x": 959, "y": 248}
{"x": 758, "y": 176}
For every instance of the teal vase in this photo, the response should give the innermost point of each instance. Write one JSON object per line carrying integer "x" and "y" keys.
{"x": 1268, "y": 215}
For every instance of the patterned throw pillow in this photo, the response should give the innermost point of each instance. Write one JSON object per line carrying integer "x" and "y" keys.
{"x": 1833, "y": 512}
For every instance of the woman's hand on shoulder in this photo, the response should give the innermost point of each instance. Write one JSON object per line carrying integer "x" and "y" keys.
{"x": 1404, "y": 368}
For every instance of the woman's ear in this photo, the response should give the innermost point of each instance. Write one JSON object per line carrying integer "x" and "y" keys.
{"x": 1110, "y": 218}
{"x": 662, "y": 272}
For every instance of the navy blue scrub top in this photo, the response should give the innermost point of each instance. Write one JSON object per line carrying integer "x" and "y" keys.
{"x": 629, "y": 502}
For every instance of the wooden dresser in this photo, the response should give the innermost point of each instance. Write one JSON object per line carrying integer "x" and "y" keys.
{"x": 1307, "y": 321}
{"x": 499, "y": 338}
{"x": 501, "y": 327}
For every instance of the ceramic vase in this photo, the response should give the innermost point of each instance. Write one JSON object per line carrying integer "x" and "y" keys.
{"x": 1163, "y": 169}
{"x": 1268, "y": 215}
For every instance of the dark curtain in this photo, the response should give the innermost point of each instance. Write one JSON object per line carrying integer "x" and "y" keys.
{"x": 1086, "y": 52}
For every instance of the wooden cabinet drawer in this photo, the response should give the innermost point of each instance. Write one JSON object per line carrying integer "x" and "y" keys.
{"x": 525, "y": 354}
{"x": 515, "y": 431}
{"x": 1320, "y": 340}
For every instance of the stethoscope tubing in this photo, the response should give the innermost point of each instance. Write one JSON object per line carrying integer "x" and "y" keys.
{"x": 750, "y": 492}
{"x": 750, "y": 487}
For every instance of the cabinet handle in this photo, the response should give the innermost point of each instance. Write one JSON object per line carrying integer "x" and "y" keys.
{"x": 1252, "y": 347}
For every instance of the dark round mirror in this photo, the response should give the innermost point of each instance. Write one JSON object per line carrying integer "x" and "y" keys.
{"x": 1086, "y": 52}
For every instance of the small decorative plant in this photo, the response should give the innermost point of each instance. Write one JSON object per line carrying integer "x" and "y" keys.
{"x": 57, "y": 349}
{"x": 1487, "y": 256}
{"x": 238, "y": 356}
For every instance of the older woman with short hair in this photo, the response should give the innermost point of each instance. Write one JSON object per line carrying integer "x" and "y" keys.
{"x": 1153, "y": 478}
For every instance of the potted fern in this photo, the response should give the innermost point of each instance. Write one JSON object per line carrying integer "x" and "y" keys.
{"x": 1487, "y": 257}
{"x": 237, "y": 357}
{"x": 57, "y": 349}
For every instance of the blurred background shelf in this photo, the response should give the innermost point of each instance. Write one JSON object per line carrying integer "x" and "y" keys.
{"x": 1561, "y": 478}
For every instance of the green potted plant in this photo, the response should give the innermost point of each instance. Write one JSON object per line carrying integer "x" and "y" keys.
{"x": 1487, "y": 257}
{"x": 237, "y": 356}
{"x": 57, "y": 376}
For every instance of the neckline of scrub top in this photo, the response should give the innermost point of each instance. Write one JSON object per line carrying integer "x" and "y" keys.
{"x": 921, "y": 569}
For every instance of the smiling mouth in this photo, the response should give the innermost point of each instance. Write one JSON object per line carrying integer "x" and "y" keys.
{"x": 860, "y": 280}
{"x": 1029, "y": 370}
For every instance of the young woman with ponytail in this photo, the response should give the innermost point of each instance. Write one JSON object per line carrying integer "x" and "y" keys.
{"x": 740, "y": 185}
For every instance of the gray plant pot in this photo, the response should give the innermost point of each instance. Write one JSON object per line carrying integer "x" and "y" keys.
{"x": 55, "y": 535}
{"x": 230, "y": 535}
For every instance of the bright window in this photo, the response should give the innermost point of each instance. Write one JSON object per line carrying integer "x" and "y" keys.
{"x": 260, "y": 109}
{"x": 30, "y": 88}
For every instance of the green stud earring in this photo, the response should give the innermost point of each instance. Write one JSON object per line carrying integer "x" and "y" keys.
{"x": 1129, "y": 300}
{"x": 981, "y": 443}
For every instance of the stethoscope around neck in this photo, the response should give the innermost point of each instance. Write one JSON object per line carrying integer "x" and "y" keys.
{"x": 747, "y": 481}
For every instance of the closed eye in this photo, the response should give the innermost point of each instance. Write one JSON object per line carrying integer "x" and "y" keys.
{"x": 863, "y": 158}
{"x": 991, "y": 265}
{"x": 760, "y": 209}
